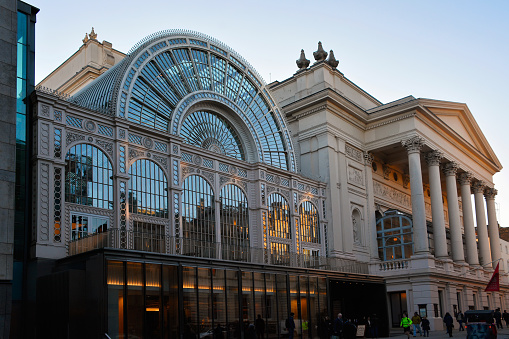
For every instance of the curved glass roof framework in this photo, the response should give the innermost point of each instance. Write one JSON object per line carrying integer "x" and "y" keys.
{"x": 212, "y": 132}
{"x": 152, "y": 83}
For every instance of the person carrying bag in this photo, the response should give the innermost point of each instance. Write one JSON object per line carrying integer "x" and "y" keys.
{"x": 406, "y": 322}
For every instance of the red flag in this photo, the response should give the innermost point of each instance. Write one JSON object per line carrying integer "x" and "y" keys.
{"x": 494, "y": 284}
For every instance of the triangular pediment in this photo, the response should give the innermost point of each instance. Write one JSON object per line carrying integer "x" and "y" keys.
{"x": 460, "y": 122}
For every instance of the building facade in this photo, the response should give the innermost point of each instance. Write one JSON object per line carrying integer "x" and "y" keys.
{"x": 178, "y": 185}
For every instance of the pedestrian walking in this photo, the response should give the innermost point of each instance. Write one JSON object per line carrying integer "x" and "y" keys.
{"x": 448, "y": 323}
{"x": 425, "y": 326}
{"x": 416, "y": 324}
{"x": 260, "y": 327}
{"x": 505, "y": 316}
{"x": 460, "y": 318}
{"x": 290, "y": 325}
{"x": 498, "y": 318}
{"x": 406, "y": 322}
{"x": 337, "y": 331}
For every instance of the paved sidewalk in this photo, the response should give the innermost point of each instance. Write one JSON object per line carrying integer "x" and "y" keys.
{"x": 397, "y": 334}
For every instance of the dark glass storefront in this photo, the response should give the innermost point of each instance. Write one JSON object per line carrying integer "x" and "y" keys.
{"x": 156, "y": 296}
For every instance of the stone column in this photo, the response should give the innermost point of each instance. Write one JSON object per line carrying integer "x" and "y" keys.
{"x": 458, "y": 255}
{"x": 494, "y": 235}
{"x": 420, "y": 233}
{"x": 437, "y": 206}
{"x": 482, "y": 230}
{"x": 368, "y": 161}
{"x": 468, "y": 218}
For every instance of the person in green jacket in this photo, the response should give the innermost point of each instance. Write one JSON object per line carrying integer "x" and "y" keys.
{"x": 406, "y": 322}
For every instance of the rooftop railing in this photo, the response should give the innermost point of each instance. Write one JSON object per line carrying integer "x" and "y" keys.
{"x": 160, "y": 243}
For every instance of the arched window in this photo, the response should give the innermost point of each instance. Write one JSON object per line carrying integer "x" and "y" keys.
{"x": 198, "y": 218}
{"x": 279, "y": 216}
{"x": 309, "y": 225}
{"x": 148, "y": 189}
{"x": 88, "y": 177}
{"x": 234, "y": 217}
{"x": 212, "y": 132}
{"x": 394, "y": 235}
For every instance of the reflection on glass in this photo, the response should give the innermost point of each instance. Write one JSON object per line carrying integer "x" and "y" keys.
{"x": 279, "y": 216}
{"x": 395, "y": 238}
{"x": 115, "y": 279}
{"x": 152, "y": 301}
{"x": 247, "y": 299}
{"x": 170, "y": 302}
{"x": 212, "y": 132}
{"x": 148, "y": 237}
{"x": 135, "y": 310}
{"x": 303, "y": 298}
{"x": 148, "y": 189}
{"x": 88, "y": 177}
{"x": 204, "y": 302}
{"x": 219, "y": 300}
{"x": 191, "y": 324}
{"x": 84, "y": 225}
{"x": 198, "y": 218}
{"x": 234, "y": 217}
{"x": 271, "y": 308}
{"x": 309, "y": 225}
{"x": 294, "y": 298}
{"x": 282, "y": 302}
{"x": 232, "y": 300}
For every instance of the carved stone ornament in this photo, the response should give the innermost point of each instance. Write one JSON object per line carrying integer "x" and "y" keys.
{"x": 368, "y": 158}
{"x": 186, "y": 170}
{"x": 387, "y": 171}
{"x": 162, "y": 160}
{"x": 90, "y": 126}
{"x": 148, "y": 143}
{"x": 433, "y": 158}
{"x": 302, "y": 62}
{"x": 108, "y": 146}
{"x": 72, "y": 137}
{"x": 413, "y": 145}
{"x": 197, "y": 160}
{"x": 353, "y": 153}
{"x": 45, "y": 111}
{"x": 133, "y": 153}
{"x": 285, "y": 193}
{"x": 406, "y": 180}
{"x": 332, "y": 61}
{"x": 451, "y": 168}
{"x": 175, "y": 149}
{"x": 478, "y": 186}
{"x": 210, "y": 176}
{"x": 490, "y": 193}
{"x": 233, "y": 170}
{"x": 320, "y": 54}
{"x": 121, "y": 134}
{"x": 465, "y": 178}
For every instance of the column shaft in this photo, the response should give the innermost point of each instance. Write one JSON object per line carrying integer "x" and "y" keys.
{"x": 458, "y": 254}
{"x": 493, "y": 225}
{"x": 437, "y": 206}
{"x": 420, "y": 232}
{"x": 468, "y": 219}
{"x": 482, "y": 230}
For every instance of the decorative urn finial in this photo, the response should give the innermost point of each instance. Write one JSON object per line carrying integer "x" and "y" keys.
{"x": 302, "y": 62}
{"x": 85, "y": 39}
{"x": 92, "y": 34}
{"x": 320, "y": 54}
{"x": 332, "y": 60}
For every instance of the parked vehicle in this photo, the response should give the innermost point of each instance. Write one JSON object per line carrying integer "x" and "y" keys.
{"x": 480, "y": 324}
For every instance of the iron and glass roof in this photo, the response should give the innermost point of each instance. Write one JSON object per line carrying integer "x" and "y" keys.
{"x": 166, "y": 73}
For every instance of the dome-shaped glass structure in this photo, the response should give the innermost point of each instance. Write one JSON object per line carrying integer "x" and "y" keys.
{"x": 166, "y": 74}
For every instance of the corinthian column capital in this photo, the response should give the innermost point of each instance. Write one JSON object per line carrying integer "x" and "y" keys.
{"x": 465, "y": 178}
{"x": 368, "y": 158}
{"x": 413, "y": 145}
{"x": 490, "y": 193}
{"x": 479, "y": 186}
{"x": 433, "y": 158}
{"x": 451, "y": 168}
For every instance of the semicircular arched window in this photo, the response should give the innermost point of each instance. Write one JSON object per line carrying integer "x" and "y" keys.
{"x": 394, "y": 236}
{"x": 212, "y": 132}
{"x": 198, "y": 218}
{"x": 309, "y": 225}
{"x": 234, "y": 217}
{"x": 148, "y": 189}
{"x": 88, "y": 177}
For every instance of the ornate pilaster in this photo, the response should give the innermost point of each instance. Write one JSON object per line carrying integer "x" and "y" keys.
{"x": 450, "y": 169}
{"x": 413, "y": 147}
{"x": 465, "y": 180}
{"x": 437, "y": 207}
{"x": 368, "y": 161}
{"x": 482, "y": 231}
{"x": 494, "y": 235}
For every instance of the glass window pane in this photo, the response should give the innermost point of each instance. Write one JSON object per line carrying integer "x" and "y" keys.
{"x": 204, "y": 302}
{"x": 170, "y": 302}
{"x": 232, "y": 302}
{"x": 191, "y": 324}
{"x": 282, "y": 303}
{"x": 135, "y": 298}
{"x": 115, "y": 281}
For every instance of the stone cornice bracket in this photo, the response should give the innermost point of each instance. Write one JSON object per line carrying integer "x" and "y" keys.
{"x": 386, "y": 170}
{"x": 368, "y": 158}
{"x": 451, "y": 168}
{"x": 433, "y": 158}
{"x": 320, "y": 54}
{"x": 479, "y": 186}
{"x": 332, "y": 61}
{"x": 302, "y": 62}
{"x": 490, "y": 193}
{"x": 465, "y": 178}
{"x": 413, "y": 145}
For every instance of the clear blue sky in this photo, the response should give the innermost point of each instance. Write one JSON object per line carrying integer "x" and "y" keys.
{"x": 447, "y": 50}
